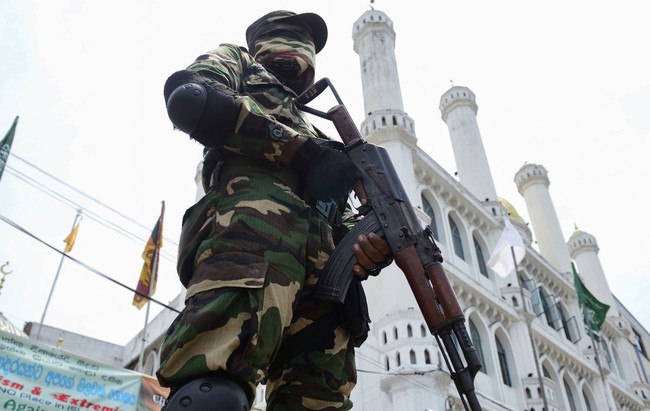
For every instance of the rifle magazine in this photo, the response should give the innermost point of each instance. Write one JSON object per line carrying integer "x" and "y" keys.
{"x": 337, "y": 275}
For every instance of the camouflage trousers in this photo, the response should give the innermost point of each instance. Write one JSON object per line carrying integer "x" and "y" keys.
{"x": 259, "y": 252}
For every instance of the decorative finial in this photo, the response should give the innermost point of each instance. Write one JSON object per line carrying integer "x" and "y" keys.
{"x": 6, "y": 270}
{"x": 372, "y": 1}
{"x": 452, "y": 82}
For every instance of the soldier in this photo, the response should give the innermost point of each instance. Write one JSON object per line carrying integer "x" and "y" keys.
{"x": 253, "y": 248}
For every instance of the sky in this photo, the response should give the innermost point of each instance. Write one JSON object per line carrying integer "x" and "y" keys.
{"x": 561, "y": 84}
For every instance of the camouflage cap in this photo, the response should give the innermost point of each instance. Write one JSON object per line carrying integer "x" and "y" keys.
{"x": 311, "y": 20}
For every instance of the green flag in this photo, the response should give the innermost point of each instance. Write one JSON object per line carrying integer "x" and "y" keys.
{"x": 5, "y": 146}
{"x": 593, "y": 311}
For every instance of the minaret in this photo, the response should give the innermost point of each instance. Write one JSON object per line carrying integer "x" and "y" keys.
{"x": 458, "y": 108}
{"x": 396, "y": 323}
{"x": 385, "y": 123}
{"x": 532, "y": 183}
{"x": 584, "y": 251}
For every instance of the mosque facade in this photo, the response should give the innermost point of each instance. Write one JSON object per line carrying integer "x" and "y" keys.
{"x": 527, "y": 327}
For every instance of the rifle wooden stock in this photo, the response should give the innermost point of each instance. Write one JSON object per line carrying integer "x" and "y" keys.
{"x": 390, "y": 214}
{"x": 431, "y": 289}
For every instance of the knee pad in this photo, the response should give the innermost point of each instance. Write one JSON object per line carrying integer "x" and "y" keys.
{"x": 213, "y": 393}
{"x": 185, "y": 106}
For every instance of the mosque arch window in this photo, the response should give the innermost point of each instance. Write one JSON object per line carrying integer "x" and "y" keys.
{"x": 384, "y": 337}
{"x": 639, "y": 343}
{"x": 478, "y": 345}
{"x": 569, "y": 396}
{"x": 585, "y": 397}
{"x": 456, "y": 239}
{"x": 395, "y": 332}
{"x": 394, "y": 120}
{"x": 548, "y": 306}
{"x": 428, "y": 210}
{"x": 528, "y": 284}
{"x": 503, "y": 363}
{"x": 409, "y": 331}
{"x": 383, "y": 121}
{"x": 608, "y": 355}
{"x": 617, "y": 362}
{"x": 565, "y": 321}
{"x": 423, "y": 330}
{"x": 412, "y": 357}
{"x": 427, "y": 356}
{"x": 480, "y": 259}
{"x": 387, "y": 364}
{"x": 515, "y": 302}
{"x": 544, "y": 303}
{"x": 546, "y": 374}
{"x": 398, "y": 359}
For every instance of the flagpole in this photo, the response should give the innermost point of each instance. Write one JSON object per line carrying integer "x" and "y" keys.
{"x": 144, "y": 331}
{"x": 56, "y": 277}
{"x": 152, "y": 282}
{"x": 5, "y": 146}
{"x": 530, "y": 332}
{"x": 600, "y": 367}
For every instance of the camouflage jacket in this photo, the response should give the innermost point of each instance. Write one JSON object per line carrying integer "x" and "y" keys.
{"x": 268, "y": 117}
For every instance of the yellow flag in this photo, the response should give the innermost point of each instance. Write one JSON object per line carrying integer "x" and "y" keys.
{"x": 69, "y": 240}
{"x": 149, "y": 273}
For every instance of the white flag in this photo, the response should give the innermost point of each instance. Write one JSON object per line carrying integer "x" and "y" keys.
{"x": 502, "y": 260}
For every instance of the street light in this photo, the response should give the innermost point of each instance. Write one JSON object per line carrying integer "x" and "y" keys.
{"x": 6, "y": 270}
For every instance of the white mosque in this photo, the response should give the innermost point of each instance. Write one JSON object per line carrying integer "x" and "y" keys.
{"x": 527, "y": 327}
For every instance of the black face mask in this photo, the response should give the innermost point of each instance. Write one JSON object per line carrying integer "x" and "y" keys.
{"x": 289, "y": 55}
{"x": 289, "y": 73}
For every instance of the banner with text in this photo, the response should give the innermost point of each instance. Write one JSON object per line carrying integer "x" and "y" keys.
{"x": 36, "y": 377}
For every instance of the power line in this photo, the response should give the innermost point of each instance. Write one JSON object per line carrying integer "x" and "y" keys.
{"x": 83, "y": 194}
{"x": 81, "y": 263}
{"x": 87, "y": 212}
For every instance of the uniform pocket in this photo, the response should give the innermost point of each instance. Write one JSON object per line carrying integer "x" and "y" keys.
{"x": 198, "y": 225}
{"x": 228, "y": 269}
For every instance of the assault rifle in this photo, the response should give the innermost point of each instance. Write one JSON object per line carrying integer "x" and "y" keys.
{"x": 389, "y": 214}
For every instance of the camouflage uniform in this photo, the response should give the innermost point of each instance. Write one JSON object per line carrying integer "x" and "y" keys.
{"x": 251, "y": 251}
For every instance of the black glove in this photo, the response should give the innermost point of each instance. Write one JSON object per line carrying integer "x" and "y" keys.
{"x": 328, "y": 173}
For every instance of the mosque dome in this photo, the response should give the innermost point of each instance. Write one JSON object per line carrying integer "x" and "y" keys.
{"x": 511, "y": 210}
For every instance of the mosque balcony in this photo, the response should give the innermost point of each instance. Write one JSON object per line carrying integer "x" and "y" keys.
{"x": 512, "y": 294}
{"x": 533, "y": 393}
{"x": 387, "y": 119}
{"x": 642, "y": 390}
